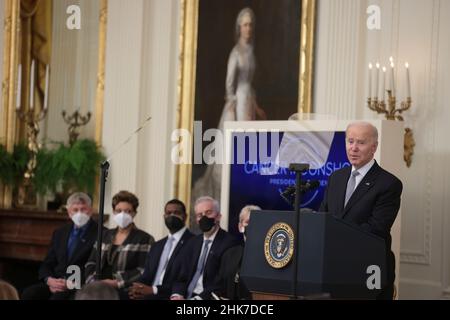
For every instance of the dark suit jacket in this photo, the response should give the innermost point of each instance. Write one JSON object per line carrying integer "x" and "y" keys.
{"x": 56, "y": 262}
{"x": 172, "y": 269}
{"x": 233, "y": 286}
{"x": 189, "y": 260}
{"x": 373, "y": 205}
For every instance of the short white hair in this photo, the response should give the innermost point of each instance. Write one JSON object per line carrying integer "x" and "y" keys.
{"x": 244, "y": 12}
{"x": 79, "y": 197}
{"x": 215, "y": 203}
{"x": 366, "y": 124}
{"x": 246, "y": 211}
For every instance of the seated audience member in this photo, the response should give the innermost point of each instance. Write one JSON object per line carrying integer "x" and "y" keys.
{"x": 232, "y": 284}
{"x": 97, "y": 291}
{"x": 161, "y": 267}
{"x": 202, "y": 256}
{"x": 124, "y": 248}
{"x": 7, "y": 291}
{"x": 70, "y": 245}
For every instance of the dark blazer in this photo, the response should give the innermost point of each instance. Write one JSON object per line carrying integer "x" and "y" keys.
{"x": 373, "y": 205}
{"x": 189, "y": 260}
{"x": 56, "y": 262}
{"x": 172, "y": 269}
{"x": 130, "y": 261}
{"x": 233, "y": 286}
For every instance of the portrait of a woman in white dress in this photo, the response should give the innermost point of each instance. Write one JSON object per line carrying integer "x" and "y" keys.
{"x": 240, "y": 99}
{"x": 246, "y": 69}
{"x": 241, "y": 104}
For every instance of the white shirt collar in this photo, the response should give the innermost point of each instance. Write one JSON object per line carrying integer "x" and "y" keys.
{"x": 177, "y": 235}
{"x": 212, "y": 237}
{"x": 365, "y": 168}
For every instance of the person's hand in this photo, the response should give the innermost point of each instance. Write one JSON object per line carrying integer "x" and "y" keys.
{"x": 56, "y": 285}
{"x": 139, "y": 291}
{"x": 177, "y": 297}
{"x": 112, "y": 283}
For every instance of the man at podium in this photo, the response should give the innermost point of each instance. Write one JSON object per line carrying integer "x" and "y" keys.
{"x": 365, "y": 194}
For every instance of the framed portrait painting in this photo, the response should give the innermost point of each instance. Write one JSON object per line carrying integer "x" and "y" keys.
{"x": 240, "y": 60}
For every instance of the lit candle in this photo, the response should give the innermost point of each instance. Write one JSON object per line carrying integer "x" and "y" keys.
{"x": 47, "y": 70}
{"x": 392, "y": 85}
{"x": 383, "y": 87}
{"x": 370, "y": 80}
{"x": 32, "y": 85}
{"x": 377, "y": 80}
{"x": 408, "y": 81}
{"x": 19, "y": 86}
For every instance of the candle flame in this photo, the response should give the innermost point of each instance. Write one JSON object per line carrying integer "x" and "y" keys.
{"x": 384, "y": 69}
{"x": 406, "y": 65}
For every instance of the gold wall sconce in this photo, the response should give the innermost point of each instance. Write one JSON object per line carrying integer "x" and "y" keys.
{"x": 389, "y": 108}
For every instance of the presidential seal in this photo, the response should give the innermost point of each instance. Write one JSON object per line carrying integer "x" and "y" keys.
{"x": 279, "y": 245}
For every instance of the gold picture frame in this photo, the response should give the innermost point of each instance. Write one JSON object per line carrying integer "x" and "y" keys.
{"x": 10, "y": 126}
{"x": 189, "y": 12}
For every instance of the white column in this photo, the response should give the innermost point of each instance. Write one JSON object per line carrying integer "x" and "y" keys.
{"x": 121, "y": 114}
{"x": 141, "y": 81}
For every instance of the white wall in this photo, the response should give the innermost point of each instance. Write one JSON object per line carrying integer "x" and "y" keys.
{"x": 73, "y": 69}
{"x": 141, "y": 81}
{"x": 416, "y": 31}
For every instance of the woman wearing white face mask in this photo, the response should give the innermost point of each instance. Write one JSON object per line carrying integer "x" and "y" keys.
{"x": 124, "y": 248}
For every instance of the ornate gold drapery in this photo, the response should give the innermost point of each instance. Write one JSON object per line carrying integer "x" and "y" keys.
{"x": 27, "y": 32}
{"x": 35, "y": 42}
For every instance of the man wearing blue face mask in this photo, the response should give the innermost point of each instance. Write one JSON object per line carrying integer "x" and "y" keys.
{"x": 161, "y": 267}
{"x": 71, "y": 245}
{"x": 202, "y": 256}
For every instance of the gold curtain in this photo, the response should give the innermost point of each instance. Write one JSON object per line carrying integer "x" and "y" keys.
{"x": 35, "y": 44}
{"x": 28, "y": 31}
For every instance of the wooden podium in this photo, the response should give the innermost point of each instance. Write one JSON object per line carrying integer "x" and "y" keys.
{"x": 332, "y": 261}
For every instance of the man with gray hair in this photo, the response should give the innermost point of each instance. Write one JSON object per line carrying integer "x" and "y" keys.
{"x": 202, "y": 256}
{"x": 364, "y": 194}
{"x": 70, "y": 247}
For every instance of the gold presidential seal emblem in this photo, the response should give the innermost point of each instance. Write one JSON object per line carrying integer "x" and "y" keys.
{"x": 279, "y": 245}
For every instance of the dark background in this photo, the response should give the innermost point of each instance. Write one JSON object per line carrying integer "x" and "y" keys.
{"x": 276, "y": 47}
{"x": 277, "y": 51}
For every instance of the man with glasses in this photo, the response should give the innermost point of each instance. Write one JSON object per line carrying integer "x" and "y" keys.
{"x": 365, "y": 194}
{"x": 202, "y": 256}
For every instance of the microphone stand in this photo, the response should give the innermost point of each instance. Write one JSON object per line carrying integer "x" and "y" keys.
{"x": 299, "y": 168}
{"x": 101, "y": 212}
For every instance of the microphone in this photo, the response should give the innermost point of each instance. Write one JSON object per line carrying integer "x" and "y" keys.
{"x": 306, "y": 186}
{"x": 101, "y": 212}
{"x": 310, "y": 185}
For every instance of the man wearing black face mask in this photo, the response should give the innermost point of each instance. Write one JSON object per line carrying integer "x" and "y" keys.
{"x": 161, "y": 265}
{"x": 203, "y": 254}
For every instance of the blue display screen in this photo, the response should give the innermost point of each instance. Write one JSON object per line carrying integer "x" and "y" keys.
{"x": 256, "y": 180}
